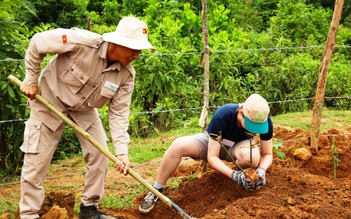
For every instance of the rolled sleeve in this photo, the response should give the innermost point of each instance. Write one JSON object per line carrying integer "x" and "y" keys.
{"x": 119, "y": 110}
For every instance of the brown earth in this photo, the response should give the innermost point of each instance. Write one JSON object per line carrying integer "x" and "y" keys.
{"x": 300, "y": 186}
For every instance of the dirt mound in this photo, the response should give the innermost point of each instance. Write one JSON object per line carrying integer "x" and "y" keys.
{"x": 298, "y": 186}
{"x": 295, "y": 189}
{"x": 58, "y": 204}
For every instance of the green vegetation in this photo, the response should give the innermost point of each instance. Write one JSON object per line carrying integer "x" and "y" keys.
{"x": 277, "y": 151}
{"x": 273, "y": 47}
{"x": 131, "y": 190}
{"x": 8, "y": 205}
{"x": 330, "y": 119}
{"x": 145, "y": 149}
{"x": 276, "y": 52}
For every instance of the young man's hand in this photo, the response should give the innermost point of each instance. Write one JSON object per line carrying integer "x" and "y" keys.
{"x": 240, "y": 178}
{"x": 262, "y": 177}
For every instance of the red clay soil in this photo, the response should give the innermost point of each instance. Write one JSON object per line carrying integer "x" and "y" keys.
{"x": 300, "y": 186}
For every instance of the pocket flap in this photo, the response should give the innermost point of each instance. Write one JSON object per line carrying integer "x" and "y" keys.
{"x": 31, "y": 136}
{"x": 75, "y": 78}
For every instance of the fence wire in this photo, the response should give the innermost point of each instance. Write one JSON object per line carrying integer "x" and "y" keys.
{"x": 195, "y": 108}
{"x": 199, "y": 108}
{"x": 216, "y": 51}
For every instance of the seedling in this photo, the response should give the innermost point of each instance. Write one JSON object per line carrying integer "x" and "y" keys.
{"x": 336, "y": 160}
{"x": 277, "y": 151}
{"x": 250, "y": 173}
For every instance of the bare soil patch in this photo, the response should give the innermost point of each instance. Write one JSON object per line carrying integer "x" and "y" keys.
{"x": 300, "y": 186}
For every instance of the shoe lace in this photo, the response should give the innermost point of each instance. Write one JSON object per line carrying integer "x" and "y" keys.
{"x": 151, "y": 197}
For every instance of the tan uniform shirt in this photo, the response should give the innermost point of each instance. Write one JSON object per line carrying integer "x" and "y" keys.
{"x": 78, "y": 80}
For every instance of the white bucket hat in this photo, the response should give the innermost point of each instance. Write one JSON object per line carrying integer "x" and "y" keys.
{"x": 131, "y": 33}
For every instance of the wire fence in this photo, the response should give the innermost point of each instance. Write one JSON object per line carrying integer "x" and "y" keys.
{"x": 218, "y": 51}
{"x": 196, "y": 108}
{"x": 200, "y": 108}
{"x": 200, "y": 52}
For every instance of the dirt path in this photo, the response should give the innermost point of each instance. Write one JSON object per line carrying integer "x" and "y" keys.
{"x": 300, "y": 186}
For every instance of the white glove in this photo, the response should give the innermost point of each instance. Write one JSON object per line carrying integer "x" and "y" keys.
{"x": 240, "y": 178}
{"x": 262, "y": 178}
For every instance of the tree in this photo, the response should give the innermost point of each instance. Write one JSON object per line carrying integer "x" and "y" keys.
{"x": 13, "y": 42}
{"x": 346, "y": 15}
{"x": 57, "y": 13}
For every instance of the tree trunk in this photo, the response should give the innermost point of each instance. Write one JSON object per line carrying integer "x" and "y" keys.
{"x": 89, "y": 24}
{"x": 206, "y": 56}
{"x": 322, "y": 80}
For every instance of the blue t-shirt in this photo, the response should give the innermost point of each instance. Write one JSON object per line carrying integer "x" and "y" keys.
{"x": 224, "y": 123}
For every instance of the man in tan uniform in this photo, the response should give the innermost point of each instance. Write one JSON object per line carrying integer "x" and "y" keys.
{"x": 87, "y": 71}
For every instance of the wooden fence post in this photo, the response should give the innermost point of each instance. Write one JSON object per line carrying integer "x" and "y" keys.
{"x": 322, "y": 80}
{"x": 89, "y": 24}
{"x": 206, "y": 57}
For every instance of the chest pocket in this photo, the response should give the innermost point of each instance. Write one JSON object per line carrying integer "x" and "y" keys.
{"x": 74, "y": 78}
{"x": 108, "y": 89}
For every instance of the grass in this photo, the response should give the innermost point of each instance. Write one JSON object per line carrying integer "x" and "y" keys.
{"x": 142, "y": 150}
{"x": 8, "y": 205}
{"x": 331, "y": 119}
{"x": 114, "y": 201}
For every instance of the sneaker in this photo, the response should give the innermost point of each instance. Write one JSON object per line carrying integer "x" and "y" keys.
{"x": 91, "y": 212}
{"x": 149, "y": 202}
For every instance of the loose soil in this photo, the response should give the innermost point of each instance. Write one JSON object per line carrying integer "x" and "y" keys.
{"x": 300, "y": 186}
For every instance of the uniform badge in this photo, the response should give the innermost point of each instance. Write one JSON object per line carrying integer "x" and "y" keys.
{"x": 111, "y": 85}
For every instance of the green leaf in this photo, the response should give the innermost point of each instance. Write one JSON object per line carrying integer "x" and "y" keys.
{"x": 3, "y": 86}
{"x": 280, "y": 154}
{"x": 11, "y": 92}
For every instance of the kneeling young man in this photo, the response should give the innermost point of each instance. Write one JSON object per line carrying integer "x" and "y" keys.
{"x": 235, "y": 124}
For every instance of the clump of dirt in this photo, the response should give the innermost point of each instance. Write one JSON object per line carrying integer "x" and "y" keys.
{"x": 63, "y": 203}
{"x": 57, "y": 205}
{"x": 56, "y": 212}
{"x": 251, "y": 175}
{"x": 311, "y": 187}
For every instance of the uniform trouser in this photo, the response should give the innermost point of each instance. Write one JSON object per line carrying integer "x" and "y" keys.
{"x": 39, "y": 146}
